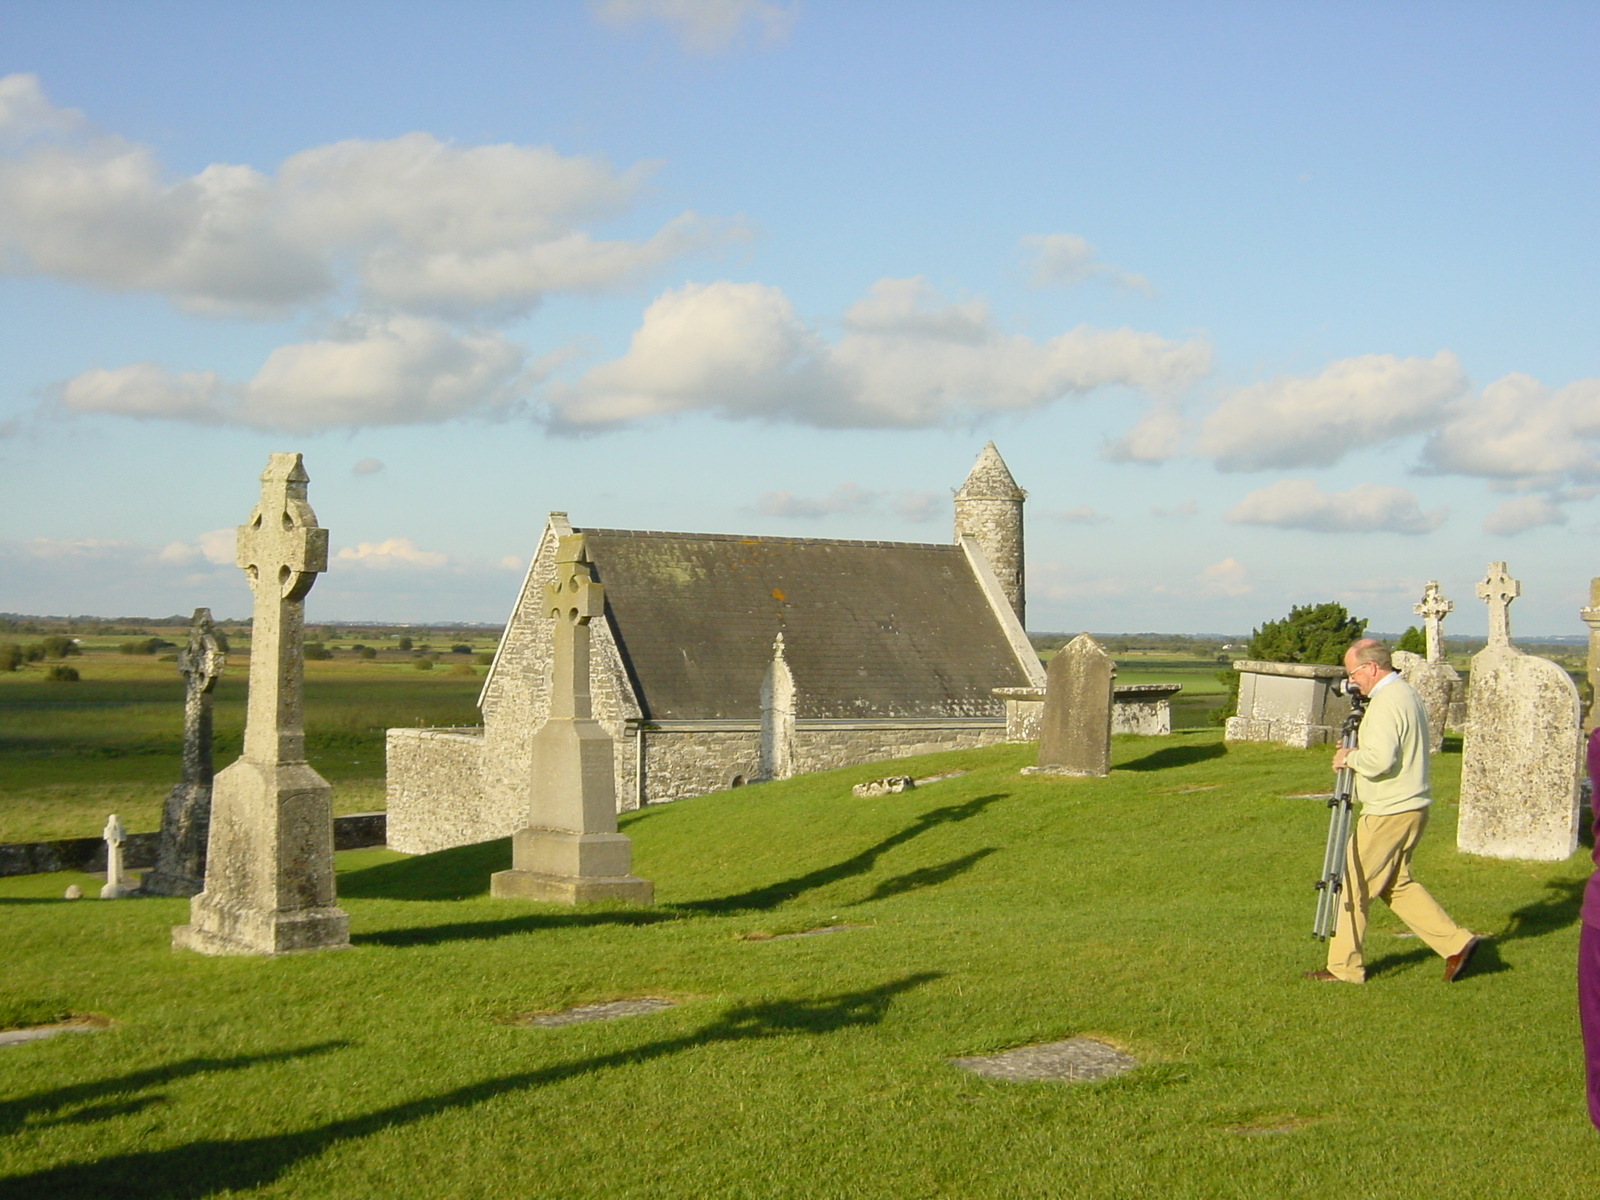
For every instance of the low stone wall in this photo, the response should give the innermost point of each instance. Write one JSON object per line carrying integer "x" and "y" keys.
{"x": 435, "y": 790}
{"x": 354, "y": 832}
{"x": 1143, "y": 708}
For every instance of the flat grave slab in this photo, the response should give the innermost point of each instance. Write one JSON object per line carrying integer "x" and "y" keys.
{"x": 598, "y": 1012}
{"x": 1072, "y": 1060}
{"x": 15, "y": 1037}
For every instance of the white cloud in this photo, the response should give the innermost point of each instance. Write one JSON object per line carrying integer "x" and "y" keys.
{"x": 1521, "y": 429}
{"x": 1522, "y": 513}
{"x": 1063, "y": 259}
{"x": 415, "y": 224}
{"x": 846, "y": 498}
{"x": 1365, "y": 508}
{"x": 1083, "y": 514}
{"x": 367, "y": 466}
{"x": 1186, "y": 508}
{"x": 917, "y": 507}
{"x": 215, "y": 547}
{"x": 1297, "y": 421}
{"x": 1154, "y": 438}
{"x": 907, "y": 358}
{"x": 702, "y": 26}
{"x": 403, "y": 370}
{"x": 1225, "y": 578}
{"x": 391, "y": 553}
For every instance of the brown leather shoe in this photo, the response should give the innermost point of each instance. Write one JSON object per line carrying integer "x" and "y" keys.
{"x": 1321, "y": 976}
{"x": 1455, "y": 966}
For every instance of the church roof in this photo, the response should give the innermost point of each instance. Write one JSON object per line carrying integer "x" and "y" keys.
{"x": 990, "y": 479}
{"x": 871, "y": 629}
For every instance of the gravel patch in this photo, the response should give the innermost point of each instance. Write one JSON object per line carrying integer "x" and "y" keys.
{"x": 1072, "y": 1060}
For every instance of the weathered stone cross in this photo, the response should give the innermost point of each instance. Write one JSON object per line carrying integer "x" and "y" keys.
{"x": 114, "y": 836}
{"x": 281, "y": 550}
{"x": 1498, "y": 590}
{"x": 186, "y": 816}
{"x": 1433, "y": 609}
{"x": 572, "y": 601}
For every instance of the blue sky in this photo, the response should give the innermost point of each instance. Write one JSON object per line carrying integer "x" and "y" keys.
{"x": 1263, "y": 304}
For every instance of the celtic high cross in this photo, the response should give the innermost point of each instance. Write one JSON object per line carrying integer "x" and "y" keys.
{"x": 1498, "y": 590}
{"x": 281, "y": 550}
{"x": 1433, "y": 609}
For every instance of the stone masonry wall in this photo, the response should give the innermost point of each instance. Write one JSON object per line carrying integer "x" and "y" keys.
{"x": 997, "y": 526}
{"x": 435, "y": 794}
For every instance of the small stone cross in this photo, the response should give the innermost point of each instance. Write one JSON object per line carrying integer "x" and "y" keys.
{"x": 1498, "y": 590}
{"x": 1433, "y": 609}
{"x": 200, "y": 663}
{"x": 113, "y": 833}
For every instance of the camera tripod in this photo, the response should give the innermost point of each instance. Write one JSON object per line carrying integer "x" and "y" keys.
{"x": 1332, "y": 881}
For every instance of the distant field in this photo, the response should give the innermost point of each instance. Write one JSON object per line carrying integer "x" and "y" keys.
{"x": 70, "y": 753}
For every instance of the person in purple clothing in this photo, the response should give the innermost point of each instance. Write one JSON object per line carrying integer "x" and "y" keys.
{"x": 1589, "y": 950}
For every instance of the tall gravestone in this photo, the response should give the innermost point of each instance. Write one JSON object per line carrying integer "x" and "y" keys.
{"x": 570, "y": 851}
{"x": 1435, "y": 681}
{"x": 777, "y": 717}
{"x": 1075, "y": 727}
{"x": 186, "y": 817}
{"x": 269, "y": 861}
{"x": 1591, "y": 618}
{"x": 1520, "y": 761}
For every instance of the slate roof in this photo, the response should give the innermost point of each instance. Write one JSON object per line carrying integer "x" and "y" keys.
{"x": 871, "y": 629}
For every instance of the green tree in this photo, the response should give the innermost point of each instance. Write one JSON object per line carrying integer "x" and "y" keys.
{"x": 404, "y": 643}
{"x": 59, "y": 645}
{"x": 10, "y": 656}
{"x": 1311, "y": 633}
{"x": 1414, "y": 640}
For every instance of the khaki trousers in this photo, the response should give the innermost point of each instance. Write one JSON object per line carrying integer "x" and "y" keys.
{"x": 1378, "y": 864}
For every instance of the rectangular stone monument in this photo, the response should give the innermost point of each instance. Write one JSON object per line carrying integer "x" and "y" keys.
{"x": 269, "y": 885}
{"x": 1075, "y": 728}
{"x": 1290, "y": 703}
{"x": 570, "y": 851}
{"x": 1521, "y": 759}
{"x": 186, "y": 817}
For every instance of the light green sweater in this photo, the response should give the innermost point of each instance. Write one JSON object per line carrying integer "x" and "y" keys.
{"x": 1390, "y": 760}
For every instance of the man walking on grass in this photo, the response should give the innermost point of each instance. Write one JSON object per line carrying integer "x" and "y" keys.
{"x": 1390, "y": 766}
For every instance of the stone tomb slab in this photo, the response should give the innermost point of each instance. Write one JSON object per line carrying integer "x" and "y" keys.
{"x": 1073, "y": 1060}
{"x": 604, "y": 1011}
{"x": 35, "y": 1033}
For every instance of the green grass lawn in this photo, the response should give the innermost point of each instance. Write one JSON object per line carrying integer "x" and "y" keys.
{"x": 72, "y": 752}
{"x": 1164, "y": 909}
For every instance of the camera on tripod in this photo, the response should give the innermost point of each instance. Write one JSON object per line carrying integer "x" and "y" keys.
{"x": 1346, "y": 687}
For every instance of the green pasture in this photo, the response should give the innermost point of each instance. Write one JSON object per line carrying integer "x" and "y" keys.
{"x": 1164, "y": 909}
{"x": 113, "y": 742}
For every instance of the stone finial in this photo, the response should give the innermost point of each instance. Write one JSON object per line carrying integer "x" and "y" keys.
{"x": 1433, "y": 608}
{"x": 1498, "y": 590}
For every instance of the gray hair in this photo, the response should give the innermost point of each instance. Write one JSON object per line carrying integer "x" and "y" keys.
{"x": 1370, "y": 650}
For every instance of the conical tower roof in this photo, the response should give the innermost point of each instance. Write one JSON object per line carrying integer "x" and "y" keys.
{"x": 989, "y": 479}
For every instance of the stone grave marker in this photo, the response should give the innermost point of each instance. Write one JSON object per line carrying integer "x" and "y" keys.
{"x": 1523, "y": 747}
{"x": 269, "y": 885}
{"x": 570, "y": 851}
{"x": 116, "y": 885}
{"x": 1435, "y": 681}
{"x": 1075, "y": 728}
{"x": 186, "y": 817}
{"x": 777, "y": 717}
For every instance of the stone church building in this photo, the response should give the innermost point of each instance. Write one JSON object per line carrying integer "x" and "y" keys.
{"x": 723, "y": 660}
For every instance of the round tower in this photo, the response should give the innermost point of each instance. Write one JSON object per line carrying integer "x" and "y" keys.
{"x": 989, "y": 509}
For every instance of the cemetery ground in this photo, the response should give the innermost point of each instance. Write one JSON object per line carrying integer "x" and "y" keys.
{"x": 1163, "y": 909}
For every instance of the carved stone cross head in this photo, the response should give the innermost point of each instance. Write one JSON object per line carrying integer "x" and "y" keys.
{"x": 113, "y": 832}
{"x": 202, "y": 660}
{"x": 575, "y": 597}
{"x": 1498, "y": 590}
{"x": 1433, "y": 608}
{"x": 281, "y": 548}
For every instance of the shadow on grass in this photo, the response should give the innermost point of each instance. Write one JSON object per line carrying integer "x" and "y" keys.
{"x": 781, "y": 892}
{"x": 925, "y": 877}
{"x": 1556, "y": 910}
{"x": 1173, "y": 756}
{"x": 455, "y": 874}
{"x": 26, "y": 1110}
{"x": 206, "y": 1168}
{"x": 465, "y": 931}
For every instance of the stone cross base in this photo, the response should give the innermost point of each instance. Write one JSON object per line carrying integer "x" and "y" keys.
{"x": 180, "y": 861}
{"x": 1063, "y": 771}
{"x": 571, "y": 868}
{"x": 269, "y": 870}
{"x": 219, "y": 929}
